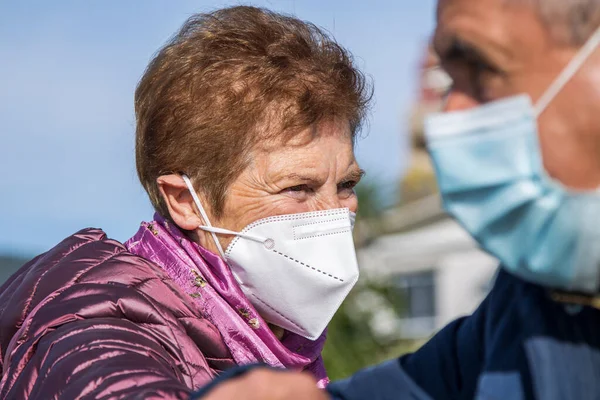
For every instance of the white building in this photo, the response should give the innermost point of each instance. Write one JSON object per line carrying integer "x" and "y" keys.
{"x": 439, "y": 272}
{"x": 435, "y": 265}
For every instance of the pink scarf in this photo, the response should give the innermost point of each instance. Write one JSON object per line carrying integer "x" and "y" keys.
{"x": 209, "y": 281}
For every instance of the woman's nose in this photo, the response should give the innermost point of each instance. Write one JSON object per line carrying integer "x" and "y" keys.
{"x": 329, "y": 201}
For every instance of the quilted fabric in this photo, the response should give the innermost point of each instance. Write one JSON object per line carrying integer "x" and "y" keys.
{"x": 88, "y": 319}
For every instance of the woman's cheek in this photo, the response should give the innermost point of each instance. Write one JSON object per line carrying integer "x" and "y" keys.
{"x": 282, "y": 204}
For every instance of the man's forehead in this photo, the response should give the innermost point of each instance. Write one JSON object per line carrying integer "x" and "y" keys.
{"x": 491, "y": 25}
{"x": 471, "y": 17}
{"x": 465, "y": 21}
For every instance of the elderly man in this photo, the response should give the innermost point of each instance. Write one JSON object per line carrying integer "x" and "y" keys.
{"x": 517, "y": 156}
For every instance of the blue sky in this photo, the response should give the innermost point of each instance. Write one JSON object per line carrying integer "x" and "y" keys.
{"x": 68, "y": 70}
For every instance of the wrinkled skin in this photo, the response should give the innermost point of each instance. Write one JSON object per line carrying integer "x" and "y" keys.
{"x": 505, "y": 50}
{"x": 315, "y": 170}
{"x": 311, "y": 172}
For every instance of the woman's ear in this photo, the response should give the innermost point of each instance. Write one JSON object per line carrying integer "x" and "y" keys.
{"x": 179, "y": 201}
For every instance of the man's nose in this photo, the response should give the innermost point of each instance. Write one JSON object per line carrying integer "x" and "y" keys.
{"x": 458, "y": 101}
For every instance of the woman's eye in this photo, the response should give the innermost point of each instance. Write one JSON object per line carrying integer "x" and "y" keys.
{"x": 347, "y": 187}
{"x": 298, "y": 188}
{"x": 298, "y": 191}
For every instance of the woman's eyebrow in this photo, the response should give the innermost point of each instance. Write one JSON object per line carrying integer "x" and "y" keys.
{"x": 354, "y": 175}
{"x": 302, "y": 177}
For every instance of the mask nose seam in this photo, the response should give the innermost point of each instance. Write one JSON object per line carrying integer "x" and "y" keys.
{"x": 328, "y": 232}
{"x": 344, "y": 230}
{"x": 320, "y": 222}
{"x": 287, "y": 217}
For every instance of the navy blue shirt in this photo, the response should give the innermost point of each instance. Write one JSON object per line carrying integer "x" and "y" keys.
{"x": 519, "y": 344}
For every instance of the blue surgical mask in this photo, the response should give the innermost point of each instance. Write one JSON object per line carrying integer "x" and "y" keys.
{"x": 492, "y": 181}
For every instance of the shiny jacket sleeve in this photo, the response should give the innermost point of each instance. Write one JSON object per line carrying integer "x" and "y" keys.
{"x": 70, "y": 327}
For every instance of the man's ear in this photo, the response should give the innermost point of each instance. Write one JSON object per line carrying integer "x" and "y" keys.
{"x": 179, "y": 201}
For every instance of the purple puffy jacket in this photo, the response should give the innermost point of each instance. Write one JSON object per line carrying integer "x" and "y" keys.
{"x": 158, "y": 317}
{"x": 89, "y": 319}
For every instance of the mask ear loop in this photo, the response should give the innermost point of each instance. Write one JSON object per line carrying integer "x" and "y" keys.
{"x": 269, "y": 243}
{"x": 570, "y": 70}
{"x": 203, "y": 213}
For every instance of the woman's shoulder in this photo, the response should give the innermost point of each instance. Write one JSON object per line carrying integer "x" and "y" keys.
{"x": 87, "y": 259}
{"x": 90, "y": 292}
{"x": 89, "y": 262}
{"x": 78, "y": 258}
{"x": 91, "y": 277}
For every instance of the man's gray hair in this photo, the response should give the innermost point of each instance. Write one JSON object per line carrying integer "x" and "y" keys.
{"x": 572, "y": 21}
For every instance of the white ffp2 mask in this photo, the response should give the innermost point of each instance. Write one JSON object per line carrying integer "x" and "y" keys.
{"x": 295, "y": 269}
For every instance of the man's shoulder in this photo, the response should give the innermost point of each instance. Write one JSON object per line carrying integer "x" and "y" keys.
{"x": 517, "y": 344}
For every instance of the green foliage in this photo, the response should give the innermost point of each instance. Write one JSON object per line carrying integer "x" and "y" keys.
{"x": 353, "y": 342}
{"x": 350, "y": 345}
{"x": 370, "y": 202}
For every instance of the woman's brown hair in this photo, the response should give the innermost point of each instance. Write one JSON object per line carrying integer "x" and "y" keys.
{"x": 229, "y": 79}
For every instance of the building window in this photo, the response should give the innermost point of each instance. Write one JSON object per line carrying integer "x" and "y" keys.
{"x": 418, "y": 294}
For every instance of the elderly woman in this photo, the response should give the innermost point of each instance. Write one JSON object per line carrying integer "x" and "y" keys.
{"x": 246, "y": 123}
